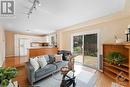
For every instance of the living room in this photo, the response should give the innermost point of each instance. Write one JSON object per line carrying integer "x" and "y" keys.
{"x": 46, "y": 41}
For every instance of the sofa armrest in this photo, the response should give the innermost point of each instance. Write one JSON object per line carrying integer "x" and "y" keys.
{"x": 30, "y": 72}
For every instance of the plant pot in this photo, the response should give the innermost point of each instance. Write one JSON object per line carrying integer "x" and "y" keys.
{"x": 10, "y": 83}
{"x": 119, "y": 40}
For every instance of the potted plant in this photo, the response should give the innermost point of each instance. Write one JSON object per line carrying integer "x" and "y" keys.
{"x": 116, "y": 58}
{"x": 6, "y": 75}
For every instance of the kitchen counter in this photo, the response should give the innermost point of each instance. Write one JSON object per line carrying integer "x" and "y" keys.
{"x": 41, "y": 47}
{"x": 37, "y": 51}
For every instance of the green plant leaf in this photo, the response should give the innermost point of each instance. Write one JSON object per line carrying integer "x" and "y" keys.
{"x": 7, "y": 74}
{"x": 4, "y": 83}
{"x": 116, "y": 58}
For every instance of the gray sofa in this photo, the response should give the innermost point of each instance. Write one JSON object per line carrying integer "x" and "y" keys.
{"x": 50, "y": 68}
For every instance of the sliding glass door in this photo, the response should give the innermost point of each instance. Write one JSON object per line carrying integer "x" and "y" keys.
{"x": 85, "y": 46}
{"x": 90, "y": 50}
{"x": 78, "y": 48}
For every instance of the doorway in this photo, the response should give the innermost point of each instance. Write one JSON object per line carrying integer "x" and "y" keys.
{"x": 78, "y": 48}
{"x": 90, "y": 50}
{"x": 86, "y": 47}
{"x": 24, "y": 44}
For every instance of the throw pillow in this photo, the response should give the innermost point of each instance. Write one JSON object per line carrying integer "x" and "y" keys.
{"x": 51, "y": 59}
{"x": 58, "y": 58}
{"x": 42, "y": 61}
{"x": 34, "y": 63}
{"x": 47, "y": 58}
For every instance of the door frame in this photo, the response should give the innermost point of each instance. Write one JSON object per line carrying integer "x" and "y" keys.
{"x": 97, "y": 31}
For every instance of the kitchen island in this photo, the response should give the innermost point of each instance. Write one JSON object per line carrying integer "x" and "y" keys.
{"x": 37, "y": 51}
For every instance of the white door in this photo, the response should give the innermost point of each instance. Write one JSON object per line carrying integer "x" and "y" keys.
{"x": 24, "y": 45}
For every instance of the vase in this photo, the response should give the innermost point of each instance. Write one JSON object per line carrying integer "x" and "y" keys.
{"x": 10, "y": 84}
{"x": 119, "y": 40}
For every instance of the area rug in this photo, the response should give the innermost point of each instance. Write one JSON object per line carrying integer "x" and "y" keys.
{"x": 84, "y": 78}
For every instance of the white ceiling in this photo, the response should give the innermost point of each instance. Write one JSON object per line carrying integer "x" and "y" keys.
{"x": 57, "y": 14}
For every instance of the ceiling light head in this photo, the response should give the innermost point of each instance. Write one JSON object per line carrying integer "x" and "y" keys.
{"x": 35, "y": 3}
{"x": 28, "y": 30}
{"x": 39, "y": 4}
{"x": 38, "y": 1}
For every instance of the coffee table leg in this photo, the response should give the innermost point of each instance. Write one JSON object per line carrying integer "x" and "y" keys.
{"x": 67, "y": 83}
{"x": 74, "y": 84}
{"x": 62, "y": 82}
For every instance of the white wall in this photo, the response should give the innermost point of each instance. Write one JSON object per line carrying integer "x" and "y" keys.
{"x": 108, "y": 30}
{"x": 30, "y": 38}
{"x": 2, "y": 46}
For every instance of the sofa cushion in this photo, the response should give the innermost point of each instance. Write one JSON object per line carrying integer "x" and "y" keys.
{"x": 58, "y": 58}
{"x": 34, "y": 63}
{"x": 47, "y": 59}
{"x": 45, "y": 70}
{"x": 51, "y": 58}
{"x": 61, "y": 64}
{"x": 42, "y": 61}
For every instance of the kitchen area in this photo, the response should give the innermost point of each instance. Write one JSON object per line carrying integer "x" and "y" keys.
{"x": 25, "y": 42}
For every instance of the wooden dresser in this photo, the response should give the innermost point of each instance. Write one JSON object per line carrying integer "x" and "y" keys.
{"x": 112, "y": 70}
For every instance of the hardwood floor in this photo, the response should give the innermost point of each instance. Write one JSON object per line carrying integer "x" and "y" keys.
{"x": 15, "y": 61}
{"x": 102, "y": 80}
{"x": 19, "y": 63}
